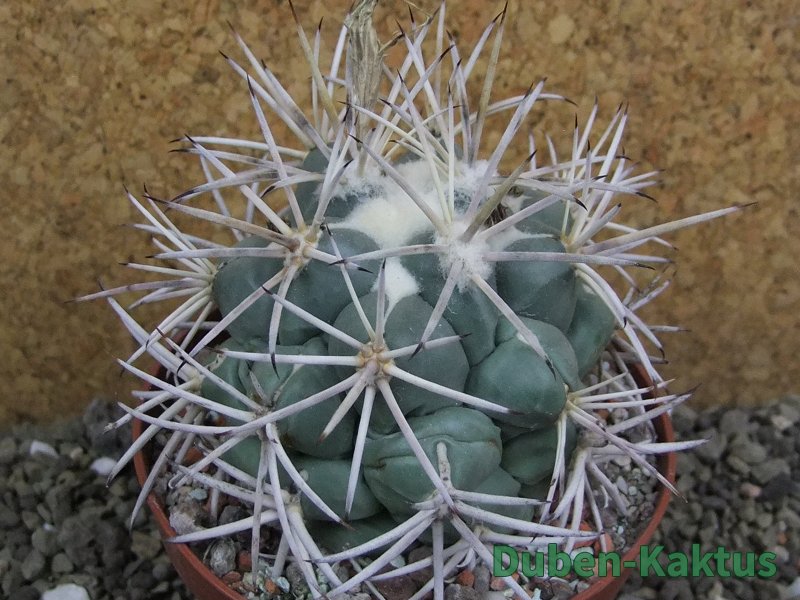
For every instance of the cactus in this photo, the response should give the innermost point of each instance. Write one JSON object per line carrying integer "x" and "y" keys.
{"x": 416, "y": 347}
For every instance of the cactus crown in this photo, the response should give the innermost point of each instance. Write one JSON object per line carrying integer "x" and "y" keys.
{"x": 418, "y": 347}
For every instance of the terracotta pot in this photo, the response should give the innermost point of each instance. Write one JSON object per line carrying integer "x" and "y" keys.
{"x": 205, "y": 585}
{"x": 200, "y": 580}
{"x": 608, "y": 587}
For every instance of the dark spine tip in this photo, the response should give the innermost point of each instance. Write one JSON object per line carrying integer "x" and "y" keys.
{"x": 551, "y": 366}
{"x": 646, "y": 196}
{"x": 294, "y": 12}
{"x": 182, "y": 364}
{"x": 180, "y": 196}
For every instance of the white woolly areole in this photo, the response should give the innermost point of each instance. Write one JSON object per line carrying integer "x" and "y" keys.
{"x": 470, "y": 176}
{"x": 399, "y": 283}
{"x": 469, "y": 254}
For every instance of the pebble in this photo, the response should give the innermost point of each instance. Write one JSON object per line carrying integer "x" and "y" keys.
{"x": 789, "y": 412}
{"x": 713, "y": 449}
{"x": 779, "y": 487}
{"x": 222, "y": 556}
{"x": 68, "y": 591}
{"x": 748, "y": 490}
{"x": 8, "y": 450}
{"x": 483, "y": 578}
{"x": 780, "y": 422}
{"x": 144, "y": 546}
{"x": 61, "y": 564}
{"x": 232, "y": 577}
{"x": 32, "y": 565}
{"x": 455, "y": 591}
{"x": 769, "y": 469}
{"x": 42, "y": 448}
{"x": 749, "y": 451}
{"x": 793, "y": 591}
{"x": 31, "y": 519}
{"x": 737, "y": 464}
{"x": 103, "y": 466}
{"x": 733, "y": 420}
{"x": 44, "y": 541}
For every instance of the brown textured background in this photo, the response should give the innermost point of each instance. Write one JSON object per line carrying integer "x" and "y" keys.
{"x": 93, "y": 90}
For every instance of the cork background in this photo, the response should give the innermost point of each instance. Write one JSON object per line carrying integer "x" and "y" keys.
{"x": 91, "y": 92}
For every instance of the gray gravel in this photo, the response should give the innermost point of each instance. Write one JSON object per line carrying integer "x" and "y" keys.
{"x": 742, "y": 492}
{"x": 64, "y": 533}
{"x": 61, "y": 526}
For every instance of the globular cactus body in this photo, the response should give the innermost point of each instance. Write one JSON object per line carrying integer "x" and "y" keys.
{"x": 417, "y": 348}
{"x": 490, "y": 360}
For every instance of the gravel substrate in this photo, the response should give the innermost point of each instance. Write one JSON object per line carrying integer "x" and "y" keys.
{"x": 742, "y": 492}
{"x": 65, "y": 534}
